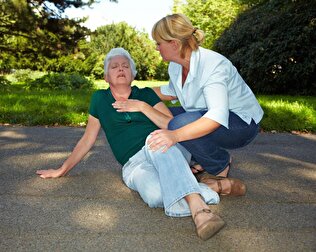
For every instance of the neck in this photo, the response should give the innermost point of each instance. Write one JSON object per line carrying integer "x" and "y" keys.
{"x": 121, "y": 93}
{"x": 185, "y": 62}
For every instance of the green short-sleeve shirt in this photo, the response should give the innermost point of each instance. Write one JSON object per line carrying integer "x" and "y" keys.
{"x": 126, "y": 132}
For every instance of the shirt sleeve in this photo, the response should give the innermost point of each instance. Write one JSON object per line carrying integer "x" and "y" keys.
{"x": 215, "y": 92}
{"x": 150, "y": 97}
{"x": 168, "y": 90}
{"x": 93, "y": 105}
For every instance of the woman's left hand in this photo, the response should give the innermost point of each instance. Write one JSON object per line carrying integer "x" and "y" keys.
{"x": 129, "y": 105}
{"x": 162, "y": 139}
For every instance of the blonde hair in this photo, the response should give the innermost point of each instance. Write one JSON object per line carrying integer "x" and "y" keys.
{"x": 178, "y": 27}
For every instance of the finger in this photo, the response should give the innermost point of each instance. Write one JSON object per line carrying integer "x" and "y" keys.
{"x": 39, "y": 172}
{"x": 164, "y": 148}
{"x": 158, "y": 145}
{"x": 155, "y": 132}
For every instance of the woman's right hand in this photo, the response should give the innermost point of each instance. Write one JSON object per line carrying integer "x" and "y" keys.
{"x": 50, "y": 173}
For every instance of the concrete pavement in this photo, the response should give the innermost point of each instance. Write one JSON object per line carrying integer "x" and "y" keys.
{"x": 92, "y": 210}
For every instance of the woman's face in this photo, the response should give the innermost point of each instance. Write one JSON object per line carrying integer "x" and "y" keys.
{"x": 166, "y": 49}
{"x": 119, "y": 71}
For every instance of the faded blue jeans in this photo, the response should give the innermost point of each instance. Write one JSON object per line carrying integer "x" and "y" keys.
{"x": 164, "y": 179}
{"x": 210, "y": 151}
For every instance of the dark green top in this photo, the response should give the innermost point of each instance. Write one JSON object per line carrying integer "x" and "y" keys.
{"x": 126, "y": 132}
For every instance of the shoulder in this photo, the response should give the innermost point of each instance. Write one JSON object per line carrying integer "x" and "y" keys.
{"x": 145, "y": 94}
{"x": 99, "y": 94}
{"x": 142, "y": 91}
{"x": 214, "y": 60}
{"x": 207, "y": 53}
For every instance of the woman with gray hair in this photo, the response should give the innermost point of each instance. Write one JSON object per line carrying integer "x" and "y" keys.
{"x": 163, "y": 177}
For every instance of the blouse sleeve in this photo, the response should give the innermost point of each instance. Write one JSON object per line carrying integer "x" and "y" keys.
{"x": 168, "y": 90}
{"x": 215, "y": 92}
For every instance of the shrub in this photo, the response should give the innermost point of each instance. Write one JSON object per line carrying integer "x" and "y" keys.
{"x": 162, "y": 71}
{"x": 25, "y": 75}
{"x": 60, "y": 81}
{"x": 4, "y": 83}
{"x": 273, "y": 45}
{"x": 22, "y": 75}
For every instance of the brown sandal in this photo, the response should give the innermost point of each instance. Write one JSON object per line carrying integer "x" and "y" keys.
{"x": 209, "y": 227}
{"x": 237, "y": 187}
{"x": 201, "y": 174}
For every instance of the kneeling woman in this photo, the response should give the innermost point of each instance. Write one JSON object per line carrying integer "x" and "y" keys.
{"x": 219, "y": 111}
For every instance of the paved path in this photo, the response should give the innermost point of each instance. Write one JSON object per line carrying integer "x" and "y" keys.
{"x": 92, "y": 210}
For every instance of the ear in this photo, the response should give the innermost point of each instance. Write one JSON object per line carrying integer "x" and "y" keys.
{"x": 106, "y": 78}
{"x": 174, "y": 44}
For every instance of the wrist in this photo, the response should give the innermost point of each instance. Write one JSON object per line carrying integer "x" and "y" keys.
{"x": 63, "y": 169}
{"x": 143, "y": 106}
{"x": 177, "y": 136}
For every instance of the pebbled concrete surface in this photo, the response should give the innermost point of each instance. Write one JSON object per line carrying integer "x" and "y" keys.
{"x": 92, "y": 210}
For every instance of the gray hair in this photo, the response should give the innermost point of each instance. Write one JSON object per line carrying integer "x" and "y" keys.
{"x": 119, "y": 52}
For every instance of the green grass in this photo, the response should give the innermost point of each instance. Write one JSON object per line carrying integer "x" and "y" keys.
{"x": 30, "y": 108}
{"x": 288, "y": 113}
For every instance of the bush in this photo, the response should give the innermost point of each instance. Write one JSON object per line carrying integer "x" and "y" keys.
{"x": 4, "y": 83}
{"x": 162, "y": 71}
{"x": 25, "y": 75}
{"x": 273, "y": 45}
{"x": 22, "y": 75}
{"x": 60, "y": 81}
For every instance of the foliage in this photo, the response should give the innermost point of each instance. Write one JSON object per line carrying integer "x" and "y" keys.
{"x": 273, "y": 45}
{"x": 251, "y": 3}
{"x": 4, "y": 83}
{"x": 23, "y": 76}
{"x": 141, "y": 48}
{"x": 33, "y": 30}
{"x": 162, "y": 71}
{"x": 211, "y": 16}
{"x": 60, "y": 81}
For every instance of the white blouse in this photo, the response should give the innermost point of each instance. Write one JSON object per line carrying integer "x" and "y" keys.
{"x": 213, "y": 84}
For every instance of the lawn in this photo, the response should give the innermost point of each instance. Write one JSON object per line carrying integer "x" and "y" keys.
{"x": 52, "y": 108}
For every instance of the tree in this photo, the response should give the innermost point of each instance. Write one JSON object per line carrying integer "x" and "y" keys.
{"x": 273, "y": 45}
{"x": 141, "y": 48}
{"x": 35, "y": 29}
{"x": 211, "y": 16}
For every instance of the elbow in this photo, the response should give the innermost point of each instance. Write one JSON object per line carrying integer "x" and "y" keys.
{"x": 165, "y": 124}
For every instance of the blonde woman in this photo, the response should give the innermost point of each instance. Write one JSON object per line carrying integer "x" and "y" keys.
{"x": 218, "y": 109}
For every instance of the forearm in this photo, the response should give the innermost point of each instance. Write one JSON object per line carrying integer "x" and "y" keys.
{"x": 81, "y": 149}
{"x": 159, "y": 117}
{"x": 196, "y": 129}
{"x": 162, "y": 96}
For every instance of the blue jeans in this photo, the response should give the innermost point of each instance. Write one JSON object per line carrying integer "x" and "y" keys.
{"x": 164, "y": 179}
{"x": 210, "y": 150}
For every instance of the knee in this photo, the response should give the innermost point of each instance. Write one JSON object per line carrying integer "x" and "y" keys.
{"x": 153, "y": 198}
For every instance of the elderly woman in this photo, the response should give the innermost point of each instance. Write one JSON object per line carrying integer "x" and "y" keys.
{"x": 128, "y": 115}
